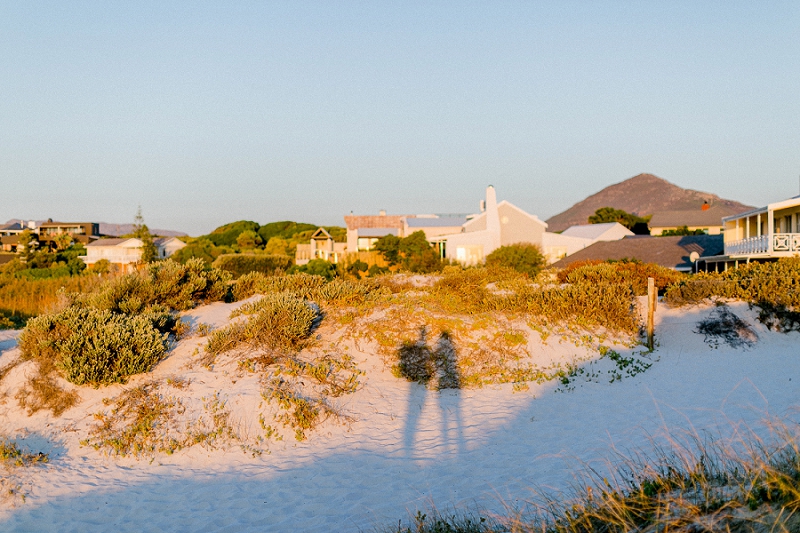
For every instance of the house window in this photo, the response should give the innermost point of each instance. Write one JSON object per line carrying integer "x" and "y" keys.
{"x": 366, "y": 244}
{"x": 470, "y": 254}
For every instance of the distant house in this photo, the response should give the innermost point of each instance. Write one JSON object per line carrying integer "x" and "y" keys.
{"x": 9, "y": 236}
{"x": 609, "y": 231}
{"x": 763, "y": 234}
{"x": 82, "y": 232}
{"x": 556, "y": 246}
{"x": 321, "y": 246}
{"x": 707, "y": 219}
{"x": 45, "y": 233}
{"x": 364, "y": 230}
{"x": 499, "y": 224}
{"x": 681, "y": 253}
{"x": 125, "y": 253}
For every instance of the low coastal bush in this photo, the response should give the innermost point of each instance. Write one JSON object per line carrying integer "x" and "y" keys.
{"x": 776, "y": 284}
{"x": 309, "y": 287}
{"x": 522, "y": 257}
{"x": 92, "y": 346}
{"x": 10, "y": 453}
{"x": 621, "y": 272}
{"x": 168, "y": 284}
{"x": 241, "y": 264}
{"x": 277, "y": 321}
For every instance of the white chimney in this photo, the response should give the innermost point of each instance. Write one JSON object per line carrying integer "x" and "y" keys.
{"x": 32, "y": 224}
{"x": 382, "y": 212}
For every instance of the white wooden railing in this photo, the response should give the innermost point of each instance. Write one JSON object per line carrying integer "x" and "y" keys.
{"x": 781, "y": 242}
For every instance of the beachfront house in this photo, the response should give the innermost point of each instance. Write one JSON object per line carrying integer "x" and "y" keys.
{"x": 125, "y": 253}
{"x": 763, "y": 234}
{"x": 498, "y": 224}
{"x": 707, "y": 219}
{"x": 363, "y": 231}
{"x": 320, "y": 246}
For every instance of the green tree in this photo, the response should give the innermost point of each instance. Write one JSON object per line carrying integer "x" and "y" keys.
{"x": 142, "y": 232}
{"x": 249, "y": 239}
{"x": 26, "y": 245}
{"x": 522, "y": 257}
{"x": 62, "y": 240}
{"x": 609, "y": 214}
{"x": 202, "y": 248}
{"x": 276, "y": 245}
{"x": 389, "y": 247}
{"x": 413, "y": 253}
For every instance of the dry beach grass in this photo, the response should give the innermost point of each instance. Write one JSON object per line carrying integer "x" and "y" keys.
{"x": 288, "y": 357}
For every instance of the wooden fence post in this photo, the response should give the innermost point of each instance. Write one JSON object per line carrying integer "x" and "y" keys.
{"x": 652, "y": 299}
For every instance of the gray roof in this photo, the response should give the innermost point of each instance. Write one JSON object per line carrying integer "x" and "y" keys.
{"x": 440, "y": 222}
{"x": 672, "y": 252}
{"x": 694, "y": 218}
{"x": 377, "y": 232}
{"x": 14, "y": 226}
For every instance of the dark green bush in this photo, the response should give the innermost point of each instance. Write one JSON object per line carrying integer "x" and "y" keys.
{"x": 92, "y": 346}
{"x": 522, "y": 257}
{"x": 226, "y": 235}
{"x": 241, "y": 264}
{"x": 318, "y": 267}
{"x": 412, "y": 253}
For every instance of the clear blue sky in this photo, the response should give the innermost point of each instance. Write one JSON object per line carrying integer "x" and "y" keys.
{"x": 206, "y": 113}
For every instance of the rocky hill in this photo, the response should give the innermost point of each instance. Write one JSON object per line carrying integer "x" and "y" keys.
{"x": 642, "y": 195}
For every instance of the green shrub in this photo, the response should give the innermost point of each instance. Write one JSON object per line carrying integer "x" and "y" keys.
{"x": 201, "y": 248}
{"x": 165, "y": 283}
{"x": 91, "y": 346}
{"x": 277, "y": 321}
{"x": 318, "y": 267}
{"x": 774, "y": 284}
{"x": 522, "y": 257}
{"x": 240, "y": 264}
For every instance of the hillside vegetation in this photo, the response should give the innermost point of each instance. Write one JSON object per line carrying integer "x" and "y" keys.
{"x": 275, "y": 238}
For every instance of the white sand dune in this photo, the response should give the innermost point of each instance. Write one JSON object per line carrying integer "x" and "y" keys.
{"x": 407, "y": 448}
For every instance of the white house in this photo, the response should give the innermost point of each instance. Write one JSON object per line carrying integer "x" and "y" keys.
{"x": 765, "y": 233}
{"x": 556, "y": 246}
{"x": 499, "y": 224}
{"x": 124, "y": 253}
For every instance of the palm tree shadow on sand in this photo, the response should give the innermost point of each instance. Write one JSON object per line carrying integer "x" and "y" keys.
{"x": 432, "y": 371}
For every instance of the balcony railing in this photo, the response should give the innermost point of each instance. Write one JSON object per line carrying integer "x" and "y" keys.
{"x": 781, "y": 242}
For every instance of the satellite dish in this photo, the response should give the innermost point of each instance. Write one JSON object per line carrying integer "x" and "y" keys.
{"x": 693, "y": 257}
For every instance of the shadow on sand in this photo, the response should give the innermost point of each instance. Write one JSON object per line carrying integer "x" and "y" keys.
{"x": 433, "y": 371}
